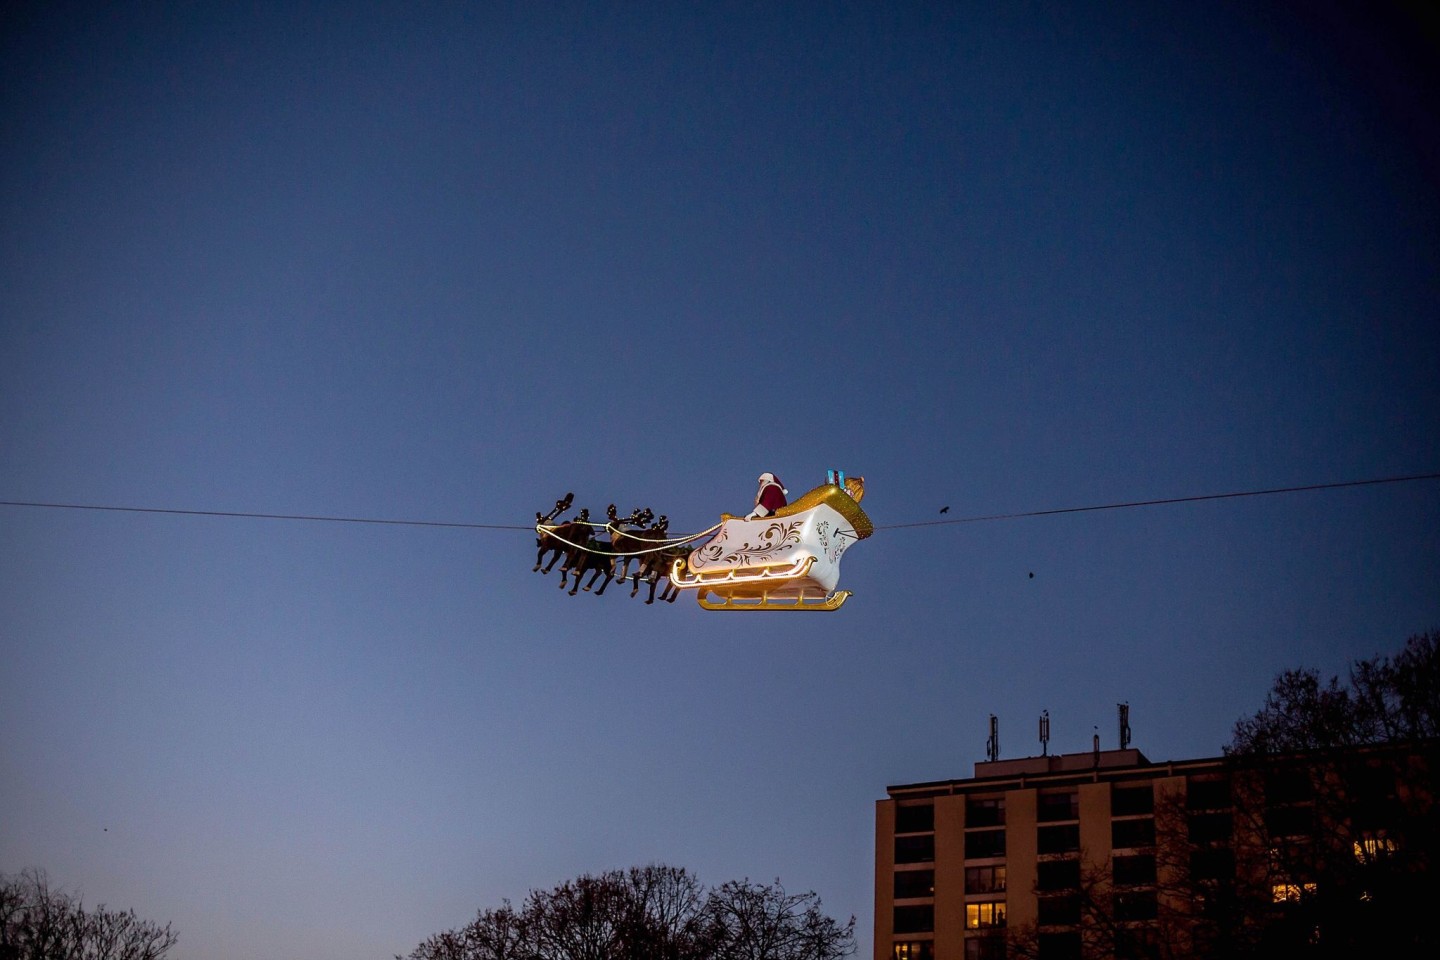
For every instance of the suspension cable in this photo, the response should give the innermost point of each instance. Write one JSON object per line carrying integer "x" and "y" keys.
{"x": 894, "y": 526}
{"x": 1168, "y": 500}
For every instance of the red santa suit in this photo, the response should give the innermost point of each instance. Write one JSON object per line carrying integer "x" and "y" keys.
{"x": 769, "y": 498}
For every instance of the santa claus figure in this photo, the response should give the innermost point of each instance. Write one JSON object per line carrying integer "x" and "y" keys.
{"x": 769, "y": 498}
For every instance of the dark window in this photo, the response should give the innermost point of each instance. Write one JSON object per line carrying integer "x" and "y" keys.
{"x": 1210, "y": 827}
{"x": 1132, "y": 943}
{"x": 919, "y": 819}
{"x": 985, "y": 948}
{"x": 1218, "y": 864}
{"x": 1059, "y": 946}
{"x": 1065, "y": 839}
{"x": 915, "y": 919}
{"x": 1289, "y": 821}
{"x": 1288, "y": 785}
{"x": 1125, "y": 801}
{"x": 984, "y": 811}
{"x": 1133, "y": 871}
{"x": 919, "y": 950}
{"x": 914, "y": 883}
{"x": 985, "y": 879}
{"x": 1207, "y": 794}
{"x": 1135, "y": 905}
{"x": 1373, "y": 786}
{"x": 914, "y": 849}
{"x": 1132, "y": 833}
{"x": 1059, "y": 911}
{"x": 1057, "y": 874}
{"x": 984, "y": 843}
{"x": 1058, "y": 806}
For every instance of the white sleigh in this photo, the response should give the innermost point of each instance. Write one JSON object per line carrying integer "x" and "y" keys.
{"x": 787, "y": 561}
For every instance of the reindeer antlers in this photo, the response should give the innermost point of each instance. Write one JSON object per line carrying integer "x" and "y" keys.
{"x": 560, "y": 507}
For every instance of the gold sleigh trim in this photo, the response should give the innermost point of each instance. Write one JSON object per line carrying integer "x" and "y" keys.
{"x": 841, "y": 501}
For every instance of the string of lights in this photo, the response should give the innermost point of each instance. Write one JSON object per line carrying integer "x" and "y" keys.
{"x": 1122, "y": 505}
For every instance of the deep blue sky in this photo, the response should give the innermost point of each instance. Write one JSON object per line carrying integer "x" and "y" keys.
{"x": 449, "y": 261}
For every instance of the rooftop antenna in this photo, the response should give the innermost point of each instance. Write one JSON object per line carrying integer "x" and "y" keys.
{"x": 992, "y": 745}
{"x": 1124, "y": 709}
{"x": 1044, "y": 733}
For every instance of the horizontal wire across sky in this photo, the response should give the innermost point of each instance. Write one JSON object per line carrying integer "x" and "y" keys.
{"x": 894, "y": 526}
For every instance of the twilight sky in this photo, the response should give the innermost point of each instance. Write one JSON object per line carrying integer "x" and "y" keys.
{"x": 447, "y": 261}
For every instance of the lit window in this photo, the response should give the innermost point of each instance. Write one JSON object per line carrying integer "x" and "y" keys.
{"x": 979, "y": 915}
{"x": 1291, "y": 892}
{"x": 921, "y": 950}
{"x": 1373, "y": 846}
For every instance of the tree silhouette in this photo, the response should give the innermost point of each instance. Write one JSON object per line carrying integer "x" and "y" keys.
{"x": 1323, "y": 842}
{"x": 655, "y": 912}
{"x": 38, "y": 922}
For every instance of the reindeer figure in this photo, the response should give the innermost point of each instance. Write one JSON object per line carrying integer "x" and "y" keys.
{"x": 624, "y": 541}
{"x": 558, "y": 540}
{"x": 654, "y": 564}
{"x": 666, "y": 561}
{"x": 593, "y": 556}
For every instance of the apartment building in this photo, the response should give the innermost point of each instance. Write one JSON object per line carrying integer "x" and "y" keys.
{"x": 1061, "y": 856}
{"x": 957, "y": 862}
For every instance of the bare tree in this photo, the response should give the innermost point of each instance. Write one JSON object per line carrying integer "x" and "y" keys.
{"x": 38, "y": 922}
{"x": 766, "y": 923}
{"x": 498, "y": 934}
{"x": 1335, "y": 787}
{"x": 655, "y": 912}
{"x": 667, "y": 918}
{"x": 1324, "y": 844}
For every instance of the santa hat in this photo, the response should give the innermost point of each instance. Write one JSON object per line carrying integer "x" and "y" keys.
{"x": 771, "y": 478}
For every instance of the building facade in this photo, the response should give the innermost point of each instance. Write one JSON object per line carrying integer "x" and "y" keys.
{"x": 1106, "y": 854}
{"x": 959, "y": 863}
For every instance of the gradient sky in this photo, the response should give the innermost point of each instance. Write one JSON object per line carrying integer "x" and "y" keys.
{"x": 448, "y": 261}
